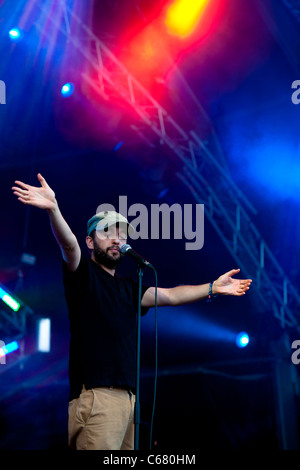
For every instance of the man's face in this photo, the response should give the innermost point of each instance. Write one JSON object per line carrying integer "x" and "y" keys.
{"x": 107, "y": 244}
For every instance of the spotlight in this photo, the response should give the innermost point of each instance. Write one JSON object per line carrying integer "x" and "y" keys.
{"x": 26, "y": 258}
{"x": 9, "y": 300}
{"x": 44, "y": 335}
{"x": 15, "y": 34}
{"x": 9, "y": 348}
{"x": 184, "y": 15}
{"x": 242, "y": 339}
{"x": 162, "y": 193}
{"x": 118, "y": 146}
{"x": 67, "y": 89}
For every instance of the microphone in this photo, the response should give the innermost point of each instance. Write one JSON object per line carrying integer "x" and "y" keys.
{"x": 127, "y": 250}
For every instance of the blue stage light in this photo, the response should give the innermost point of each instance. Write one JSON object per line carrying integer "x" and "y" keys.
{"x": 188, "y": 325}
{"x": 162, "y": 193}
{"x": 9, "y": 348}
{"x": 118, "y": 146}
{"x": 15, "y": 34}
{"x": 242, "y": 339}
{"x": 67, "y": 89}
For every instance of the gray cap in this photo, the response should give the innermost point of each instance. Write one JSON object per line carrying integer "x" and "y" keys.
{"x": 105, "y": 219}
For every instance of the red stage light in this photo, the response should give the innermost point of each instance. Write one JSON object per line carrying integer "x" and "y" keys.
{"x": 184, "y": 15}
{"x": 152, "y": 51}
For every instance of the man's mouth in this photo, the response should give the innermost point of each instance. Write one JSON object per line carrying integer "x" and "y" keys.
{"x": 114, "y": 249}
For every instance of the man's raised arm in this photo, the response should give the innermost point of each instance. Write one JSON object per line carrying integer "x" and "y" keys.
{"x": 43, "y": 197}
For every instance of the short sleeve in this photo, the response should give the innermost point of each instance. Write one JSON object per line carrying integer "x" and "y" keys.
{"x": 81, "y": 269}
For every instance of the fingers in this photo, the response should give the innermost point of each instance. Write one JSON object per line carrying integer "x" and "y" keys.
{"x": 22, "y": 194}
{"x": 20, "y": 191}
{"x": 23, "y": 185}
{"x": 233, "y": 272}
{"x": 22, "y": 197}
{"x": 24, "y": 201}
{"x": 27, "y": 186}
{"x": 244, "y": 286}
{"x": 230, "y": 286}
{"x": 245, "y": 282}
{"x": 42, "y": 180}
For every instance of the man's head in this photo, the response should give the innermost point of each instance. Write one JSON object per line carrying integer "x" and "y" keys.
{"x": 106, "y": 232}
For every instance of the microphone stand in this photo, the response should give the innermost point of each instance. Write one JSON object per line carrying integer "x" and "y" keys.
{"x": 137, "y": 414}
{"x": 126, "y": 249}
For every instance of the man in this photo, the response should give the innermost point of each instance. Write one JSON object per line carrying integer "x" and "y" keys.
{"x": 102, "y": 311}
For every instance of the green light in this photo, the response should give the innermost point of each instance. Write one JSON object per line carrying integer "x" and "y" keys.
{"x": 12, "y": 303}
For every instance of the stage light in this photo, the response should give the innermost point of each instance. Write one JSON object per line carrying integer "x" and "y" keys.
{"x": 162, "y": 193}
{"x": 118, "y": 146}
{"x": 242, "y": 339}
{"x": 187, "y": 325}
{"x": 9, "y": 348}
{"x": 67, "y": 89}
{"x": 26, "y": 258}
{"x": 15, "y": 34}
{"x": 9, "y": 300}
{"x": 44, "y": 335}
{"x": 184, "y": 15}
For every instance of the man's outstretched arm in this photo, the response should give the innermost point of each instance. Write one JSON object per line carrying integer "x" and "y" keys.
{"x": 180, "y": 295}
{"x": 43, "y": 197}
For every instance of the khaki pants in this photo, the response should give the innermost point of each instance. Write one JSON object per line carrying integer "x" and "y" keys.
{"x": 102, "y": 419}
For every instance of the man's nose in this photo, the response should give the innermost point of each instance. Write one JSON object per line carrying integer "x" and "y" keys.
{"x": 116, "y": 240}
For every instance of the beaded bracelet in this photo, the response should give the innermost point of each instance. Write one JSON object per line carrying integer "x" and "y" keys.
{"x": 210, "y": 294}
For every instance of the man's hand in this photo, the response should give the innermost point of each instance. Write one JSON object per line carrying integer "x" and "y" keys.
{"x": 42, "y": 197}
{"x": 226, "y": 285}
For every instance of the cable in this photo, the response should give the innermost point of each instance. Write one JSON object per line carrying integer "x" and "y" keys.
{"x": 155, "y": 372}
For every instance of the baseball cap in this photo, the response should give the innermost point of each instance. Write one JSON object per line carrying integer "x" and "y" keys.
{"x": 105, "y": 219}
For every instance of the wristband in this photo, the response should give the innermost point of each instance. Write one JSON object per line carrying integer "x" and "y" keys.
{"x": 210, "y": 294}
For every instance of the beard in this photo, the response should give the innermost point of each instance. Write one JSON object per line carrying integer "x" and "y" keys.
{"x": 104, "y": 258}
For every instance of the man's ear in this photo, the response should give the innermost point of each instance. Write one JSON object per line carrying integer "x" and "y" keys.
{"x": 89, "y": 242}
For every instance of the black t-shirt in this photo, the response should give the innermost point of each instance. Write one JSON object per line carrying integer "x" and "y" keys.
{"x": 102, "y": 313}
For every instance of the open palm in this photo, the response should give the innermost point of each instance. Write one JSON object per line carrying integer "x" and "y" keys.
{"x": 42, "y": 197}
{"x": 226, "y": 285}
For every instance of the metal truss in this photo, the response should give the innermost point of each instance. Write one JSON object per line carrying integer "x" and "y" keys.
{"x": 287, "y": 35}
{"x": 13, "y": 324}
{"x": 226, "y": 207}
{"x": 13, "y": 327}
